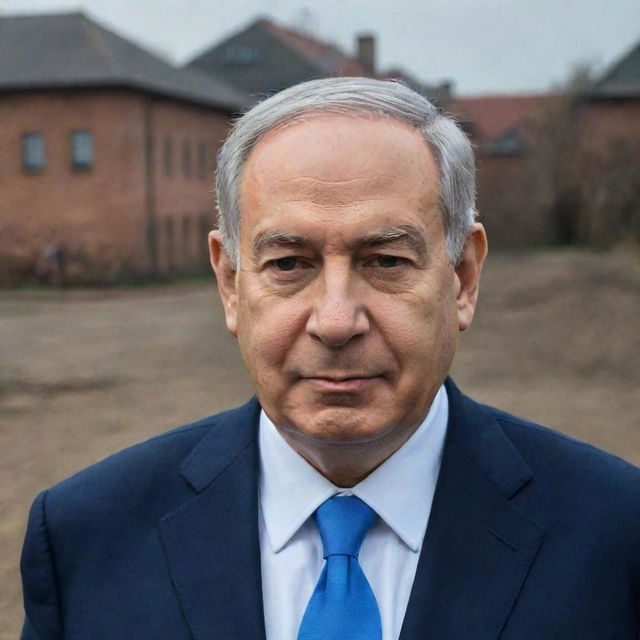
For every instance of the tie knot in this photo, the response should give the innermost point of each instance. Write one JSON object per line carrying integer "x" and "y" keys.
{"x": 343, "y": 523}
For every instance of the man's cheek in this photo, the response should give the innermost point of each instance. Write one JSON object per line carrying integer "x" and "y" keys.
{"x": 268, "y": 346}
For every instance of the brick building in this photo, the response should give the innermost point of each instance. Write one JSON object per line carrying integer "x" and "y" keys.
{"x": 610, "y": 126}
{"x": 512, "y": 197}
{"x": 107, "y": 152}
{"x": 560, "y": 168}
{"x": 614, "y": 99}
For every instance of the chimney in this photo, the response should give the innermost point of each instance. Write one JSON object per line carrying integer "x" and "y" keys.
{"x": 367, "y": 53}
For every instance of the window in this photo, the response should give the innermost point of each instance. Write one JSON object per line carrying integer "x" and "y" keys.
{"x": 508, "y": 144}
{"x": 81, "y": 150}
{"x": 240, "y": 55}
{"x": 33, "y": 152}
{"x": 169, "y": 242}
{"x": 186, "y": 158}
{"x": 168, "y": 156}
{"x": 186, "y": 237}
{"x": 202, "y": 160}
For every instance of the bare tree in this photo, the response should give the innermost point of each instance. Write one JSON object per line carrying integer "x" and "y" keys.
{"x": 591, "y": 183}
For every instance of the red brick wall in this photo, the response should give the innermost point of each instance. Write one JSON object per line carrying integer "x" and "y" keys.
{"x": 611, "y": 142}
{"x": 185, "y": 202}
{"x": 611, "y": 119}
{"x": 100, "y": 216}
{"x": 516, "y": 194}
{"x": 88, "y": 213}
{"x": 511, "y": 201}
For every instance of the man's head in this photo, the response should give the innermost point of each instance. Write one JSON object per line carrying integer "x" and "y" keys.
{"x": 447, "y": 142}
{"x": 350, "y": 263}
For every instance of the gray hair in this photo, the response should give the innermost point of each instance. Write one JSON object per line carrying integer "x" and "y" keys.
{"x": 353, "y": 96}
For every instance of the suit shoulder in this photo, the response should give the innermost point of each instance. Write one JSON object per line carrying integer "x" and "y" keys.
{"x": 137, "y": 471}
{"x": 159, "y": 449}
{"x": 568, "y": 457}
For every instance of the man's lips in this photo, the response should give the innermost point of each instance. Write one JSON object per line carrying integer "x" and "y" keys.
{"x": 354, "y": 382}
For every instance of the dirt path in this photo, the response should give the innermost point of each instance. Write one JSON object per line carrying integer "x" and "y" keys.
{"x": 85, "y": 373}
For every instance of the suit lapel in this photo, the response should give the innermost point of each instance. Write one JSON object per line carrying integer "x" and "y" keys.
{"x": 478, "y": 547}
{"x": 211, "y": 542}
{"x": 477, "y": 553}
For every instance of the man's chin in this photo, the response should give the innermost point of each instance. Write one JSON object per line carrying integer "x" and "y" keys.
{"x": 335, "y": 426}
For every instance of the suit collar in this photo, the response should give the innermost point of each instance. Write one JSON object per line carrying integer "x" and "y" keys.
{"x": 475, "y": 558}
{"x": 479, "y": 547}
{"x": 471, "y": 427}
{"x": 400, "y": 490}
{"x": 476, "y": 432}
{"x": 211, "y": 542}
{"x": 232, "y": 433}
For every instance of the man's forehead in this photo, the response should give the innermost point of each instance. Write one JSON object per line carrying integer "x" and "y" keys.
{"x": 320, "y": 147}
{"x": 329, "y": 117}
{"x": 382, "y": 190}
{"x": 341, "y": 160}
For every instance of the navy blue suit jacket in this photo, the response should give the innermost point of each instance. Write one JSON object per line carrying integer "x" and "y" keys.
{"x": 532, "y": 535}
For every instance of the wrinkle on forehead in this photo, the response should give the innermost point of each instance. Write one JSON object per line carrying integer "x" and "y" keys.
{"x": 342, "y": 165}
{"x": 295, "y": 179}
{"x": 307, "y": 149}
{"x": 340, "y": 192}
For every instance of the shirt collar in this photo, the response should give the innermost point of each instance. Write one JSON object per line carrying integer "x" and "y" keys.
{"x": 400, "y": 490}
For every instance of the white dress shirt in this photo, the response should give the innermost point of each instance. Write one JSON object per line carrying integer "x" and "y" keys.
{"x": 400, "y": 491}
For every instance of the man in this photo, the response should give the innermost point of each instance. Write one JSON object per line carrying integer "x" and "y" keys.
{"x": 361, "y": 495}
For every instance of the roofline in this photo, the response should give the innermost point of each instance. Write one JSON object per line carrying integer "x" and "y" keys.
{"x": 266, "y": 22}
{"x": 311, "y": 59}
{"x": 508, "y": 96}
{"x": 603, "y": 79}
{"x": 122, "y": 86}
{"x": 603, "y": 94}
{"x": 231, "y": 106}
{"x": 198, "y": 53}
{"x": 43, "y": 14}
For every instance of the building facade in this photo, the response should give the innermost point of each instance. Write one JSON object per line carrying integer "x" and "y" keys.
{"x": 104, "y": 178}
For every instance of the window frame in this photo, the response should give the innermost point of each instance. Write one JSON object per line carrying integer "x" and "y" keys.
{"x": 78, "y": 164}
{"x": 28, "y": 166}
{"x": 187, "y": 158}
{"x": 168, "y": 156}
{"x": 203, "y": 159}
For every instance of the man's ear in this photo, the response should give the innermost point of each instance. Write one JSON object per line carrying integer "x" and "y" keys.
{"x": 468, "y": 273}
{"x": 226, "y": 277}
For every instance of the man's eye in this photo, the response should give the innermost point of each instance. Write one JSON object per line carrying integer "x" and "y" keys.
{"x": 286, "y": 264}
{"x": 387, "y": 261}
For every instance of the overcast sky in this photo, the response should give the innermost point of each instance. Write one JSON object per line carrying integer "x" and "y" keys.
{"x": 484, "y": 46}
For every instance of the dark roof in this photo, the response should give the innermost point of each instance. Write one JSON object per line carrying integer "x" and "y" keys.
{"x": 71, "y": 51}
{"x": 265, "y": 58}
{"x": 621, "y": 80}
{"x": 324, "y": 56}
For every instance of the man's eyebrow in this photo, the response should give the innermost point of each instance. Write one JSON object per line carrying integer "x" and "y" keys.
{"x": 269, "y": 239}
{"x": 405, "y": 234}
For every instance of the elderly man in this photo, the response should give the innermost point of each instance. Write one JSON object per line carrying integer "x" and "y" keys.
{"x": 360, "y": 495}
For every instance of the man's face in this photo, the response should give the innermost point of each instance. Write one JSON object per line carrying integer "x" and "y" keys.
{"x": 345, "y": 305}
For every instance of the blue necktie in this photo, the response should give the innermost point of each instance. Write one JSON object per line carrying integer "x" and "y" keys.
{"x": 342, "y": 606}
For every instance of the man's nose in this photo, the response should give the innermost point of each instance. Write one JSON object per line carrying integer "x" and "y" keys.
{"x": 337, "y": 315}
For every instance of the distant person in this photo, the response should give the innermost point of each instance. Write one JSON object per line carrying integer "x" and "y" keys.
{"x": 51, "y": 265}
{"x": 360, "y": 495}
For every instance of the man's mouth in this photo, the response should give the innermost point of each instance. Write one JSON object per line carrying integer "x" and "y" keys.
{"x": 343, "y": 383}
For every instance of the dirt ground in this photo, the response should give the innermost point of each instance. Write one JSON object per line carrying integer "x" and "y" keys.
{"x": 86, "y": 373}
